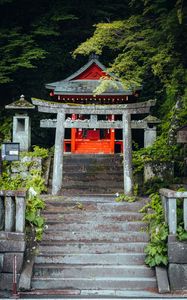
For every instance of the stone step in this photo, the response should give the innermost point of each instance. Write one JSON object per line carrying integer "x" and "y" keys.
{"x": 97, "y": 294}
{"x": 91, "y": 245}
{"x": 92, "y": 259}
{"x": 104, "y": 237}
{"x": 93, "y": 157}
{"x": 88, "y": 176}
{"x": 92, "y": 190}
{"x": 60, "y": 247}
{"x": 95, "y": 226}
{"x": 93, "y": 166}
{"x": 84, "y": 216}
{"x": 93, "y": 169}
{"x": 81, "y": 271}
{"x": 67, "y": 207}
{"x": 98, "y": 198}
{"x": 91, "y": 185}
{"x": 94, "y": 283}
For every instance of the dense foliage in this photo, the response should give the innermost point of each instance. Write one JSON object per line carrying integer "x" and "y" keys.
{"x": 145, "y": 41}
{"x": 149, "y": 48}
{"x": 37, "y": 40}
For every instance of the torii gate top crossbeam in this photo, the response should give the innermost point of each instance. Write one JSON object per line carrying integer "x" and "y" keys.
{"x": 116, "y": 109}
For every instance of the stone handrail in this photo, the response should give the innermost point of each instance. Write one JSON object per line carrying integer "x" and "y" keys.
{"x": 169, "y": 201}
{"x": 12, "y": 210}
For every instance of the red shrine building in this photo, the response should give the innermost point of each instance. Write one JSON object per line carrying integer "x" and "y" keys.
{"x": 81, "y": 88}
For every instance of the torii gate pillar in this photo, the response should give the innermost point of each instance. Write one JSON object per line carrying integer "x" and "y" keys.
{"x": 58, "y": 155}
{"x": 127, "y": 154}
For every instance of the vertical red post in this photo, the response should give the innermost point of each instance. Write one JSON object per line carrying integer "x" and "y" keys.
{"x": 112, "y": 136}
{"x": 73, "y": 135}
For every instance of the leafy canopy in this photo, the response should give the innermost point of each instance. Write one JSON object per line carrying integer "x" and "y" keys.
{"x": 150, "y": 44}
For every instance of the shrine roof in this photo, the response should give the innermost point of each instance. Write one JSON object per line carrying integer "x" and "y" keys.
{"x": 152, "y": 119}
{"x": 88, "y": 87}
{"x": 87, "y": 79}
{"x": 20, "y": 104}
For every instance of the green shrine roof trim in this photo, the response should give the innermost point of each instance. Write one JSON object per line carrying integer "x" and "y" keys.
{"x": 20, "y": 104}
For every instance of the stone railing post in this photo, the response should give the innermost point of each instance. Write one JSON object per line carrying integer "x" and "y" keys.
{"x": 165, "y": 206}
{"x": 9, "y": 213}
{"x": 172, "y": 215}
{"x": 20, "y": 213}
{"x": 12, "y": 211}
{"x": 2, "y": 213}
{"x": 169, "y": 201}
{"x": 177, "y": 250}
{"x": 185, "y": 213}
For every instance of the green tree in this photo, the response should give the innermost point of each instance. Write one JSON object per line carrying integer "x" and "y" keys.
{"x": 149, "y": 49}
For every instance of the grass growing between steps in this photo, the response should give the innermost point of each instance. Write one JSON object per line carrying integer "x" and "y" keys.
{"x": 126, "y": 198}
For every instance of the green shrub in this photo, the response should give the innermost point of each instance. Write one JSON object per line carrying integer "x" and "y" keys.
{"x": 156, "y": 250}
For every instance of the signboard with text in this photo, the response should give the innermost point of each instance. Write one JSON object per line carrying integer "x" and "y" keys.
{"x": 10, "y": 151}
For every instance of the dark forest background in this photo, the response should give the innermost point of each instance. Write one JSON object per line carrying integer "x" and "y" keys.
{"x": 37, "y": 39}
{"x": 144, "y": 42}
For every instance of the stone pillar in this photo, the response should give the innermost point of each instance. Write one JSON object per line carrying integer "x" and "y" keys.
{"x": 58, "y": 155}
{"x": 127, "y": 154}
{"x": 2, "y": 213}
{"x": 9, "y": 214}
{"x": 20, "y": 214}
{"x": 172, "y": 215}
{"x": 22, "y": 131}
{"x": 149, "y": 136}
{"x": 185, "y": 213}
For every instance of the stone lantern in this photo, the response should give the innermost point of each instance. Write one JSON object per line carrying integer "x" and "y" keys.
{"x": 21, "y": 122}
{"x": 150, "y": 130}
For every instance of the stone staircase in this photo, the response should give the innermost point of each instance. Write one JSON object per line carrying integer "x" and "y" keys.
{"x": 92, "y": 174}
{"x": 92, "y": 246}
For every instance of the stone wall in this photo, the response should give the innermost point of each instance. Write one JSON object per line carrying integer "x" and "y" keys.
{"x": 11, "y": 244}
{"x": 177, "y": 270}
{"x": 25, "y": 165}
